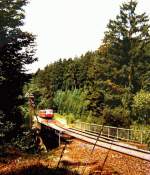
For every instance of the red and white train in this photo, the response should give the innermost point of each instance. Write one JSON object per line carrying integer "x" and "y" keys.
{"x": 46, "y": 113}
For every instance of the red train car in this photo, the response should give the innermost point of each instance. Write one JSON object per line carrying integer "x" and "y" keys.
{"x": 46, "y": 113}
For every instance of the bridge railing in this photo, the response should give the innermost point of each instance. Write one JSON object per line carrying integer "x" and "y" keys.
{"x": 139, "y": 136}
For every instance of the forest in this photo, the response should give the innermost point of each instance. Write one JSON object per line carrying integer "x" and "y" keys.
{"x": 110, "y": 85}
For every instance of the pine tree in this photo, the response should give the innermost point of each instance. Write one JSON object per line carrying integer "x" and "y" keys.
{"x": 16, "y": 50}
{"x": 126, "y": 42}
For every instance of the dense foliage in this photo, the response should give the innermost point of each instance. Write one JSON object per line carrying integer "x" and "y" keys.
{"x": 16, "y": 50}
{"x": 127, "y": 41}
{"x": 105, "y": 83}
{"x": 6, "y": 127}
{"x": 141, "y": 106}
{"x": 71, "y": 102}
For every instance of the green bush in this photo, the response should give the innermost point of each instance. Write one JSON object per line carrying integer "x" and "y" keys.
{"x": 141, "y": 107}
{"x": 146, "y": 132}
{"x": 70, "y": 118}
{"x": 25, "y": 140}
{"x": 118, "y": 117}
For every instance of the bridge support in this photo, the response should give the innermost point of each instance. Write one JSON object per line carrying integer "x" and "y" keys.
{"x": 59, "y": 134}
{"x": 59, "y": 139}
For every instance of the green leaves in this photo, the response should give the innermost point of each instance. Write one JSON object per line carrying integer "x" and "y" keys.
{"x": 109, "y": 77}
{"x": 74, "y": 102}
{"x": 126, "y": 39}
{"x": 141, "y": 106}
{"x": 16, "y": 50}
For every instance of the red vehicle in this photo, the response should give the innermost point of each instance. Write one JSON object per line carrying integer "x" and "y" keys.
{"x": 46, "y": 113}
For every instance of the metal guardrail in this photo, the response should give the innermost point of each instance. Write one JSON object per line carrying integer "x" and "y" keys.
{"x": 139, "y": 136}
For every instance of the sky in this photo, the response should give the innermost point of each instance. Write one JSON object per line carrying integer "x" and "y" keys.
{"x": 70, "y": 28}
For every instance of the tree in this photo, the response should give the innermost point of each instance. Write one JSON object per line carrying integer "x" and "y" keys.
{"x": 141, "y": 107}
{"x": 126, "y": 42}
{"x": 16, "y": 50}
{"x": 118, "y": 116}
{"x": 96, "y": 101}
{"x": 71, "y": 101}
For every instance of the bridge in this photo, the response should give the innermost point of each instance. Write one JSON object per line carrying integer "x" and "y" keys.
{"x": 96, "y": 139}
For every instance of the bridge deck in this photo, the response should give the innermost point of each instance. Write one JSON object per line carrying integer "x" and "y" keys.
{"x": 119, "y": 147}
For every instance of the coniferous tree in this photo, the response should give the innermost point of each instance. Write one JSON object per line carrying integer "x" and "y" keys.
{"x": 126, "y": 42}
{"x": 111, "y": 75}
{"x": 16, "y": 50}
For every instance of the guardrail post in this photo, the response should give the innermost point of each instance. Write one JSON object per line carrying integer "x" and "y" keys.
{"x": 117, "y": 133}
{"x": 141, "y": 137}
{"x": 108, "y": 132}
{"x": 128, "y": 135}
{"x": 131, "y": 135}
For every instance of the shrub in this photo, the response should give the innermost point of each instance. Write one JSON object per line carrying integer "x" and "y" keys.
{"x": 26, "y": 140}
{"x": 6, "y": 127}
{"x": 118, "y": 117}
{"x": 141, "y": 107}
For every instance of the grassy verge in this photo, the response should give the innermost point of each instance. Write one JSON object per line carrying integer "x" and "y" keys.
{"x": 61, "y": 118}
